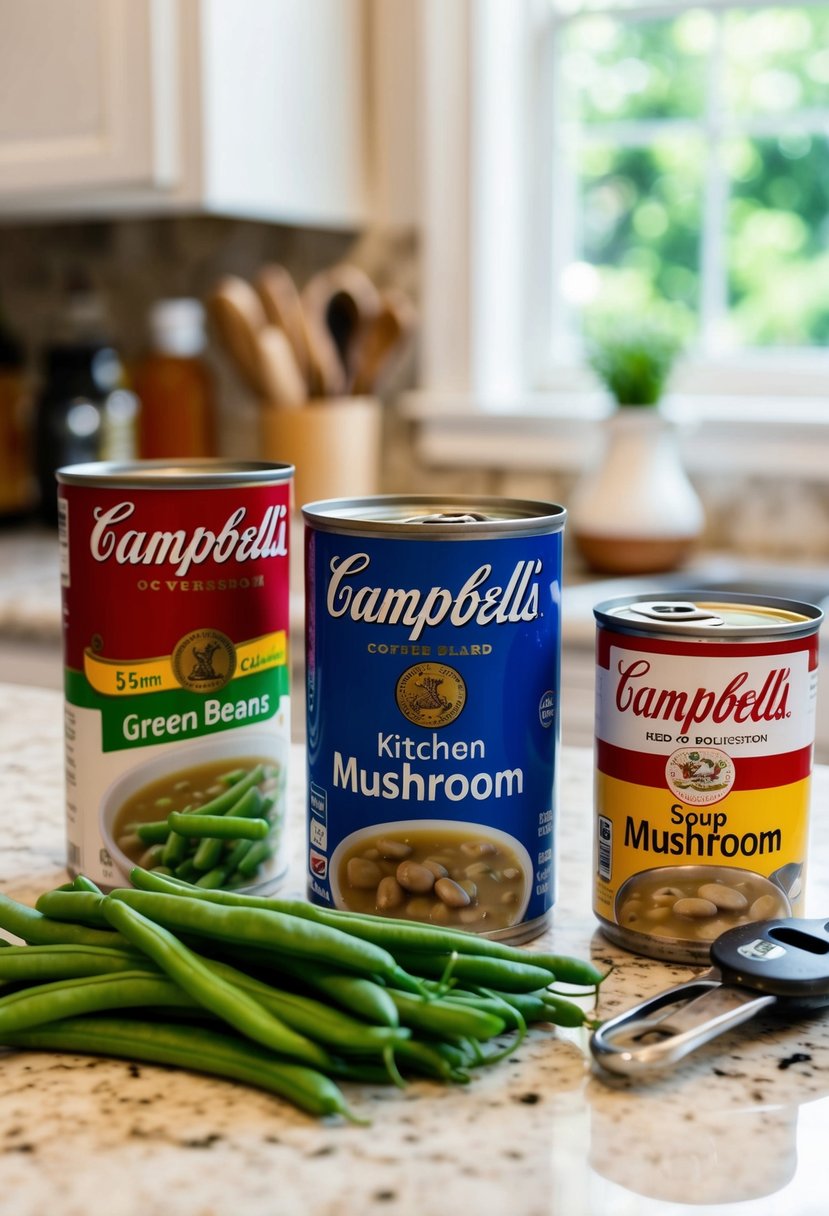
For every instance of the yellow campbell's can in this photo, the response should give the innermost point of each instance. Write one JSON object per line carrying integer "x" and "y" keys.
{"x": 705, "y": 716}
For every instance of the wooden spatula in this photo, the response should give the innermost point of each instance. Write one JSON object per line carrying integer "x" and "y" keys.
{"x": 382, "y": 342}
{"x": 283, "y": 308}
{"x": 261, "y": 352}
{"x": 236, "y": 313}
{"x": 283, "y": 382}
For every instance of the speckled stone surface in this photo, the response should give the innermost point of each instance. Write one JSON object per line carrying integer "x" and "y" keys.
{"x": 540, "y": 1135}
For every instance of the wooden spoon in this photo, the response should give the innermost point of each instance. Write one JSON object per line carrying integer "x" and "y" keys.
{"x": 337, "y": 303}
{"x": 238, "y": 317}
{"x": 382, "y": 342}
{"x": 283, "y": 307}
{"x": 281, "y": 378}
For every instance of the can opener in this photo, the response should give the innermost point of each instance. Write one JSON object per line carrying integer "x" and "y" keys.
{"x": 782, "y": 963}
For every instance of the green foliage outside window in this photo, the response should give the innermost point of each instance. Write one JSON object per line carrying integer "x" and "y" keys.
{"x": 710, "y": 119}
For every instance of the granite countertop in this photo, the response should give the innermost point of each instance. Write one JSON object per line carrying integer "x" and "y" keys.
{"x": 539, "y": 1135}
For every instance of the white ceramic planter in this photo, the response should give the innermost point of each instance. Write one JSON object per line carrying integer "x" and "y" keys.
{"x": 636, "y": 511}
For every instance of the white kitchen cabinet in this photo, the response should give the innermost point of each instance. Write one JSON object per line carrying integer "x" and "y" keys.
{"x": 76, "y": 94}
{"x": 250, "y": 108}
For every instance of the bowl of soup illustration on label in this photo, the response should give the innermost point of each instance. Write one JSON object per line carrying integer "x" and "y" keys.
{"x": 235, "y": 776}
{"x": 694, "y": 904}
{"x": 462, "y": 875}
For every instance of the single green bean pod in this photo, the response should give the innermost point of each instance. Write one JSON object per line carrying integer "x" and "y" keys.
{"x": 502, "y": 974}
{"x": 26, "y": 964}
{"x": 208, "y": 853}
{"x": 256, "y": 856}
{"x": 266, "y": 930}
{"x": 33, "y": 927}
{"x": 222, "y": 827}
{"x": 443, "y": 1019}
{"x": 176, "y": 848}
{"x": 80, "y": 907}
{"x": 214, "y": 878}
{"x": 81, "y": 883}
{"x": 67, "y": 998}
{"x": 252, "y": 805}
{"x": 223, "y": 802}
{"x": 189, "y": 1046}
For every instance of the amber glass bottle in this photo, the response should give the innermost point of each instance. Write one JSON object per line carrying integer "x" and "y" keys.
{"x": 174, "y": 386}
{"x": 17, "y": 485}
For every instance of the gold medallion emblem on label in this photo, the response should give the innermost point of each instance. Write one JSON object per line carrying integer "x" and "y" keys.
{"x": 431, "y": 694}
{"x": 204, "y": 660}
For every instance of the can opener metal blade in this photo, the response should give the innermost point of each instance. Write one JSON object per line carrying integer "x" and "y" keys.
{"x": 782, "y": 963}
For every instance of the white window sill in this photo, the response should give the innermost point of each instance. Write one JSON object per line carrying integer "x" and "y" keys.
{"x": 561, "y": 432}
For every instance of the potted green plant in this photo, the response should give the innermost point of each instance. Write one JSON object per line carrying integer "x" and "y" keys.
{"x": 633, "y": 358}
{"x": 635, "y": 511}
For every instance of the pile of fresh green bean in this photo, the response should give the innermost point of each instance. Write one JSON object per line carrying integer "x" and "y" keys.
{"x": 279, "y": 994}
{"x": 221, "y": 843}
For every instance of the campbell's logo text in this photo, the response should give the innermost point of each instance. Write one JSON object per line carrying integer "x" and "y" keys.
{"x": 476, "y": 601}
{"x": 735, "y": 702}
{"x": 183, "y": 549}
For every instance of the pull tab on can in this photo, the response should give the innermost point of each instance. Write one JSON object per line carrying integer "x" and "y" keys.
{"x": 450, "y": 517}
{"x": 680, "y": 611}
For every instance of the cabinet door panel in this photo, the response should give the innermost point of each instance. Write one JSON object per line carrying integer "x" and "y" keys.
{"x": 78, "y": 92}
{"x": 285, "y": 109}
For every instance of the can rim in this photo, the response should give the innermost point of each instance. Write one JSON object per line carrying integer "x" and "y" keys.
{"x": 812, "y": 616}
{"x": 191, "y": 473}
{"x": 416, "y": 516}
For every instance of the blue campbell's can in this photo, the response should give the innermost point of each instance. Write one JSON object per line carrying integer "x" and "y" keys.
{"x": 433, "y": 656}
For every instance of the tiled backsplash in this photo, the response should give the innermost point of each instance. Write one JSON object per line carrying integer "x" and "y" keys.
{"x": 778, "y": 517}
{"x": 134, "y": 262}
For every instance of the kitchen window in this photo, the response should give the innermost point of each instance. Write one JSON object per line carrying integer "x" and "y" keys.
{"x": 692, "y": 150}
{"x": 635, "y": 147}
{"x": 505, "y": 258}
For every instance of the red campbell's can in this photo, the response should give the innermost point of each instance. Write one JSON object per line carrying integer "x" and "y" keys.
{"x": 175, "y": 613}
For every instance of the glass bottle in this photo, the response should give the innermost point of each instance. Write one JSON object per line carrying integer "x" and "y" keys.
{"x": 174, "y": 385}
{"x": 17, "y": 489}
{"x": 83, "y": 411}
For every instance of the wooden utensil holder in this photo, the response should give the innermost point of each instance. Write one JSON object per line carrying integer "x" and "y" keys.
{"x": 333, "y": 442}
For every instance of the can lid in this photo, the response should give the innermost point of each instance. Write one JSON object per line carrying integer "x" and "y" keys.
{"x": 174, "y": 474}
{"x": 435, "y": 517}
{"x": 698, "y": 613}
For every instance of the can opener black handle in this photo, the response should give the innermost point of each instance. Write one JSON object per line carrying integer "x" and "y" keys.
{"x": 782, "y": 963}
